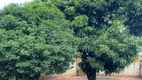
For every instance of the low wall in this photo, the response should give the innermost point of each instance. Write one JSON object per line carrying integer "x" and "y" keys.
{"x": 69, "y": 73}
{"x": 134, "y": 70}
{"x": 131, "y": 71}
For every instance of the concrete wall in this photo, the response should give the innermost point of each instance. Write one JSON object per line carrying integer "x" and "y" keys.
{"x": 69, "y": 73}
{"x": 141, "y": 68}
{"x": 131, "y": 71}
{"x": 134, "y": 70}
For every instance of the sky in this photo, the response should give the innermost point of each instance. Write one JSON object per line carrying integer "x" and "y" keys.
{"x": 6, "y": 2}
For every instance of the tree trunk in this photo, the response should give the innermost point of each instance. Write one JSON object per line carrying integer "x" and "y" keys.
{"x": 91, "y": 76}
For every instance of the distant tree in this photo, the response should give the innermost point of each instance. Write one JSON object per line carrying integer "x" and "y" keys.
{"x": 35, "y": 39}
{"x": 104, "y": 27}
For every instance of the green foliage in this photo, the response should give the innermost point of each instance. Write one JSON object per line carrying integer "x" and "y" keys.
{"x": 35, "y": 39}
{"x": 104, "y": 27}
{"x": 110, "y": 51}
{"x": 102, "y": 12}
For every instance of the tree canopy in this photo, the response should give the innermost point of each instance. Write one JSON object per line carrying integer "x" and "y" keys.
{"x": 42, "y": 36}
{"x": 106, "y": 28}
{"x": 35, "y": 39}
{"x": 103, "y": 12}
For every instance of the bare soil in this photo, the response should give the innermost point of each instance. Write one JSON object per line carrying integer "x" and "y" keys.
{"x": 98, "y": 78}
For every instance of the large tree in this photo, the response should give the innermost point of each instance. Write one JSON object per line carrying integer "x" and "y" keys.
{"x": 35, "y": 39}
{"x": 104, "y": 27}
{"x": 110, "y": 50}
{"x": 100, "y": 12}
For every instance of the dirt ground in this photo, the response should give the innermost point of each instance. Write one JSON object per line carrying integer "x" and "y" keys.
{"x": 98, "y": 78}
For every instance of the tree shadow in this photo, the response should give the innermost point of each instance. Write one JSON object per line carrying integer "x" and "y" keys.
{"x": 107, "y": 79}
